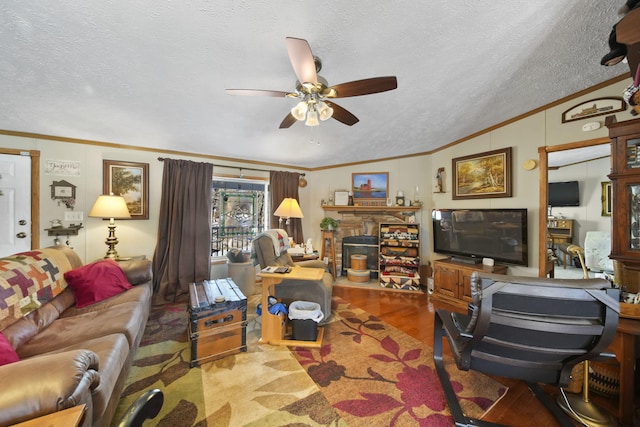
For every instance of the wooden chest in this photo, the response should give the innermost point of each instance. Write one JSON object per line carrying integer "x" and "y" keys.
{"x": 218, "y": 320}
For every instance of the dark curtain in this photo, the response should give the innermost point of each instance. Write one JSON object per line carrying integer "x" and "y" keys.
{"x": 183, "y": 250}
{"x": 283, "y": 185}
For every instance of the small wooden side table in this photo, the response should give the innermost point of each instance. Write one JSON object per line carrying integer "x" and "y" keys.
{"x": 328, "y": 235}
{"x": 70, "y": 417}
{"x": 304, "y": 257}
{"x": 273, "y": 324}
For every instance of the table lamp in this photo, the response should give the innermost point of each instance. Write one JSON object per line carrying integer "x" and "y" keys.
{"x": 110, "y": 207}
{"x": 289, "y": 208}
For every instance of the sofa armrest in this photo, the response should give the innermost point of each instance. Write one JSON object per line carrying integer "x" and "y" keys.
{"x": 44, "y": 384}
{"x": 138, "y": 271}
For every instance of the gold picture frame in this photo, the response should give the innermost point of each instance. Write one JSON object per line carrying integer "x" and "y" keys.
{"x": 131, "y": 181}
{"x": 606, "y": 198}
{"x": 370, "y": 188}
{"x": 482, "y": 176}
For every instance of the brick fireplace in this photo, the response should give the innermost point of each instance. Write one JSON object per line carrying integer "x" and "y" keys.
{"x": 359, "y": 224}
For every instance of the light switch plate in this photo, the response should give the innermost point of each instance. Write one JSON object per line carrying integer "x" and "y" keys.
{"x": 73, "y": 216}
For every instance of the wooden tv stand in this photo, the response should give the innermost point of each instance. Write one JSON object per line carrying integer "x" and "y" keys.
{"x": 452, "y": 280}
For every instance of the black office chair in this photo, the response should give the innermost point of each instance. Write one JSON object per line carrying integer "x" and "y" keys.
{"x": 531, "y": 329}
{"x": 146, "y": 406}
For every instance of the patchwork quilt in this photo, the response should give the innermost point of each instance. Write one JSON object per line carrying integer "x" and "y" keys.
{"x": 28, "y": 280}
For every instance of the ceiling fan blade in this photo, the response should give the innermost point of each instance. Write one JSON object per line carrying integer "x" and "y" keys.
{"x": 288, "y": 121}
{"x": 258, "y": 92}
{"x": 342, "y": 115}
{"x": 302, "y": 60}
{"x": 363, "y": 87}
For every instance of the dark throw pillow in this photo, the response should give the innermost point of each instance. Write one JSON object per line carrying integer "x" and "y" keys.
{"x": 7, "y": 353}
{"x": 97, "y": 281}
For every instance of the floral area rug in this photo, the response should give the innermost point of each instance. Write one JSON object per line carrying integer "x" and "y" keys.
{"x": 366, "y": 373}
{"x": 374, "y": 374}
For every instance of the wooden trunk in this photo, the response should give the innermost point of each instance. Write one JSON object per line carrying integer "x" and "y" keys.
{"x": 218, "y": 320}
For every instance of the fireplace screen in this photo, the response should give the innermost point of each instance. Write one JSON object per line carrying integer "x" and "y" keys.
{"x": 360, "y": 245}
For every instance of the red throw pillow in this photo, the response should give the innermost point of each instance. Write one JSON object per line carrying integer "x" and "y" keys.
{"x": 96, "y": 281}
{"x": 7, "y": 353}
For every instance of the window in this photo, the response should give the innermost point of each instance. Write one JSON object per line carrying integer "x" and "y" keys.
{"x": 238, "y": 213}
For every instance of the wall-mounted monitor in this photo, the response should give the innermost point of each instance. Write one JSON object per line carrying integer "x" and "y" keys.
{"x": 563, "y": 194}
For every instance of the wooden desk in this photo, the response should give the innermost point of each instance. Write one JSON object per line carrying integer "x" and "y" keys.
{"x": 70, "y": 417}
{"x": 273, "y": 325}
{"x": 624, "y": 346}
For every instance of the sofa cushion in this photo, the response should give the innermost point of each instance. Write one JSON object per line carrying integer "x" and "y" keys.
{"x": 139, "y": 294}
{"x": 7, "y": 353}
{"x": 94, "y": 282}
{"x": 127, "y": 318}
{"x": 28, "y": 280}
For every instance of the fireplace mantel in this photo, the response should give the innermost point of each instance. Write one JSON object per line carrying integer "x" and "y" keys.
{"x": 372, "y": 209}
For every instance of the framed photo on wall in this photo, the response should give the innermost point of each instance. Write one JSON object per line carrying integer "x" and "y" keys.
{"x": 131, "y": 181}
{"x": 482, "y": 176}
{"x": 370, "y": 188}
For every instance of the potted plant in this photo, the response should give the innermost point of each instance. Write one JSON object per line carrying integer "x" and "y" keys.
{"x": 328, "y": 224}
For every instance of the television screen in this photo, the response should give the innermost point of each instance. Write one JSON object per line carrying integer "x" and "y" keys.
{"x": 563, "y": 194}
{"x": 474, "y": 234}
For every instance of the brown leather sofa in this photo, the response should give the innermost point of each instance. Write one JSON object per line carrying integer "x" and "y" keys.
{"x": 69, "y": 355}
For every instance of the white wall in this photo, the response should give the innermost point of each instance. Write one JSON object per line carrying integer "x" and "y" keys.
{"x": 138, "y": 237}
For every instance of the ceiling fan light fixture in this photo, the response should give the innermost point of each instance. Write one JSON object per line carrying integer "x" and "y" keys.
{"x": 299, "y": 111}
{"x": 325, "y": 111}
{"x": 312, "y": 118}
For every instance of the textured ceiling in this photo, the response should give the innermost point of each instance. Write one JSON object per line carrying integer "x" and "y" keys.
{"x": 153, "y": 72}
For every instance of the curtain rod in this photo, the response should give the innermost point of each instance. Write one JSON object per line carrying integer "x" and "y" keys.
{"x": 238, "y": 167}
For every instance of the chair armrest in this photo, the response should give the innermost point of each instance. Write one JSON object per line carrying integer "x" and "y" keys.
{"x": 137, "y": 271}
{"x": 311, "y": 263}
{"x": 44, "y": 384}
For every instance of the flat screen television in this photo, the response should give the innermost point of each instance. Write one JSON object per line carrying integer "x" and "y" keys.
{"x": 472, "y": 234}
{"x": 563, "y": 194}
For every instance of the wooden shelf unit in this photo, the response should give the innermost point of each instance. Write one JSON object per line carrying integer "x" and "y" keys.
{"x": 399, "y": 256}
{"x": 561, "y": 230}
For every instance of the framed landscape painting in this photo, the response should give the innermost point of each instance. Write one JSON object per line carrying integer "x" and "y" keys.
{"x": 131, "y": 181}
{"x": 370, "y": 189}
{"x": 482, "y": 176}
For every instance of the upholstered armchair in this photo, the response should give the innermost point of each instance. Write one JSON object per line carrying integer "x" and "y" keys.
{"x": 270, "y": 248}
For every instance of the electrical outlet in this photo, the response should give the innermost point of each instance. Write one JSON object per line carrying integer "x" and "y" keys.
{"x": 73, "y": 216}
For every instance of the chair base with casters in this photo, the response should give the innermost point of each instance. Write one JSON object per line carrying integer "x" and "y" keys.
{"x": 532, "y": 329}
{"x": 145, "y": 407}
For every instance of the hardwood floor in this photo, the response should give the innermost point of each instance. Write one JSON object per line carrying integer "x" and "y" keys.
{"x": 413, "y": 313}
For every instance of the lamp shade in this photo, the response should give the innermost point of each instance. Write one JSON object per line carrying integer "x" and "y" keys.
{"x": 289, "y": 208}
{"x": 110, "y": 207}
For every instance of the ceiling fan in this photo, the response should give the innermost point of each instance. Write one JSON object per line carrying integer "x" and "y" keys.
{"x": 315, "y": 93}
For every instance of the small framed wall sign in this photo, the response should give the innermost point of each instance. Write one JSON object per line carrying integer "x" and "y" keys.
{"x": 63, "y": 190}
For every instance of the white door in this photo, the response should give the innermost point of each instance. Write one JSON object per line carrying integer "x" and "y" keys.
{"x": 15, "y": 204}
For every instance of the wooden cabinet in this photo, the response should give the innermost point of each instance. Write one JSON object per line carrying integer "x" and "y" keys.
{"x": 625, "y": 191}
{"x": 399, "y": 256}
{"x": 561, "y": 230}
{"x": 452, "y": 279}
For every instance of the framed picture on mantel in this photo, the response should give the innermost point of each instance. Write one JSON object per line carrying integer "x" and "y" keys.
{"x": 482, "y": 176}
{"x": 370, "y": 188}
